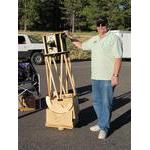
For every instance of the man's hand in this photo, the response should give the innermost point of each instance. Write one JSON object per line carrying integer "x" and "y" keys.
{"x": 75, "y": 41}
{"x": 67, "y": 34}
{"x": 115, "y": 76}
{"x": 114, "y": 81}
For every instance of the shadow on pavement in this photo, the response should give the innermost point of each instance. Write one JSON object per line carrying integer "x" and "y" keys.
{"x": 120, "y": 121}
{"x": 84, "y": 90}
{"x": 27, "y": 114}
{"x": 121, "y": 100}
{"x": 117, "y": 102}
{"x": 82, "y": 100}
{"x": 88, "y": 115}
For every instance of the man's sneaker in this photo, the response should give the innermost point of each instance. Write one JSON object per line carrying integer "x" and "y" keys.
{"x": 95, "y": 128}
{"x": 102, "y": 135}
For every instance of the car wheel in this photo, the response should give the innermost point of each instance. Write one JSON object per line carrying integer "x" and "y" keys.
{"x": 37, "y": 58}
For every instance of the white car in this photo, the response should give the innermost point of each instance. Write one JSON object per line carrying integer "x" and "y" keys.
{"x": 30, "y": 47}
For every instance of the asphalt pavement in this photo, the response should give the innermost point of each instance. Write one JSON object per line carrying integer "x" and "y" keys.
{"x": 33, "y": 135}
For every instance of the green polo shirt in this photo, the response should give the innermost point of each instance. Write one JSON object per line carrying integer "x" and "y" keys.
{"x": 103, "y": 53}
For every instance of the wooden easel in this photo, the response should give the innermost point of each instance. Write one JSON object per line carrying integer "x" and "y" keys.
{"x": 62, "y": 103}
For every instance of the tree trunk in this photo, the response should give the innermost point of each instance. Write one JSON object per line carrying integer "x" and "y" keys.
{"x": 25, "y": 27}
{"x": 73, "y": 21}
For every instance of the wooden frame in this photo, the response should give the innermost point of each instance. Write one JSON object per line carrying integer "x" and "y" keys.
{"x": 62, "y": 103}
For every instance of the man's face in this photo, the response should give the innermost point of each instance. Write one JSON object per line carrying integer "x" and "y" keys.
{"x": 102, "y": 29}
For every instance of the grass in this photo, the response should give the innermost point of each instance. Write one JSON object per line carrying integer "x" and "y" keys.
{"x": 75, "y": 53}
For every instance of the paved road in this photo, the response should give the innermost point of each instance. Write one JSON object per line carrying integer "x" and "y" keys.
{"x": 33, "y": 135}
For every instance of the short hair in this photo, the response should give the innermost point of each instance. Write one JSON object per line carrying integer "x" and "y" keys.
{"x": 102, "y": 21}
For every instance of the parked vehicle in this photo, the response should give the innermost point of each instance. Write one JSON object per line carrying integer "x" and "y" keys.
{"x": 31, "y": 48}
{"x": 125, "y": 37}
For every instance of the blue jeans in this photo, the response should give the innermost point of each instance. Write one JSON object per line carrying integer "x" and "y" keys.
{"x": 102, "y": 95}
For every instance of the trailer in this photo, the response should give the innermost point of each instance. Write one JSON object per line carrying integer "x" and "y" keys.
{"x": 125, "y": 37}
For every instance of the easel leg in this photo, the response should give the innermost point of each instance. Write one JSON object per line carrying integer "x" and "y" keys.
{"x": 69, "y": 73}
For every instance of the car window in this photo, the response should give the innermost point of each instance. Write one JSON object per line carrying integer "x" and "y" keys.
{"x": 33, "y": 40}
{"x": 21, "y": 40}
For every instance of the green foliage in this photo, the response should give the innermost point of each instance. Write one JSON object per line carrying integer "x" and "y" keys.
{"x": 117, "y": 11}
{"x": 77, "y": 54}
{"x": 29, "y": 13}
{"x": 72, "y": 12}
{"x": 50, "y": 15}
{"x": 74, "y": 15}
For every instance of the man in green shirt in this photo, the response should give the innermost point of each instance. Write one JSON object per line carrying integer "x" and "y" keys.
{"x": 106, "y": 53}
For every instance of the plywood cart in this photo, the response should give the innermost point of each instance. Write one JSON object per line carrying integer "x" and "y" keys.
{"x": 62, "y": 101}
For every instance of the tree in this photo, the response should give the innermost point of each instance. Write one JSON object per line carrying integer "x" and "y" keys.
{"x": 72, "y": 11}
{"x": 117, "y": 11}
{"x": 28, "y": 13}
{"x": 120, "y": 17}
{"x": 50, "y": 14}
{"x": 73, "y": 14}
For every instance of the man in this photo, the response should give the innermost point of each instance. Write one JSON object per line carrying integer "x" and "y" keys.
{"x": 106, "y": 53}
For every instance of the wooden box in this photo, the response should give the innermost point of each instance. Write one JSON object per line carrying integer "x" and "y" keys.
{"x": 62, "y": 113}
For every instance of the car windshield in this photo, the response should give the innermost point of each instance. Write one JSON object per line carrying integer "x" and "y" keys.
{"x": 34, "y": 40}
